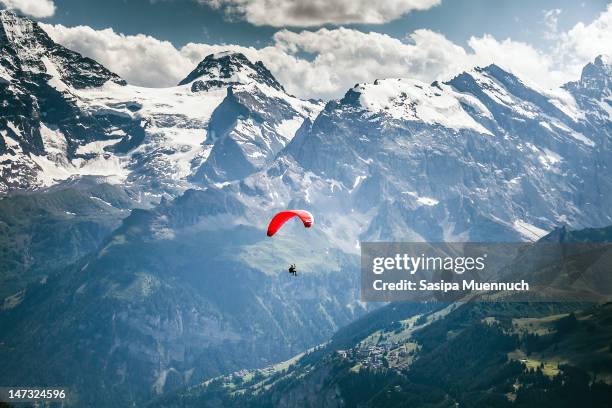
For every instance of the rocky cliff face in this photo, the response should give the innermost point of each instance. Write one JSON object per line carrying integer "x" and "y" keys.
{"x": 41, "y": 123}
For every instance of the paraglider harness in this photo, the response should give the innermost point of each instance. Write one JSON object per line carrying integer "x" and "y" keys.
{"x": 292, "y": 270}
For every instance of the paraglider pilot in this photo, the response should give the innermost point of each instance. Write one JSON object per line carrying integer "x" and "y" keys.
{"x": 282, "y": 217}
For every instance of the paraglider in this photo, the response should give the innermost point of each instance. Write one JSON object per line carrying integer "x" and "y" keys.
{"x": 281, "y": 218}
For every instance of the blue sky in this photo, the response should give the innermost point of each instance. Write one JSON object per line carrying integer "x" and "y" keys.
{"x": 183, "y": 21}
{"x": 320, "y": 48}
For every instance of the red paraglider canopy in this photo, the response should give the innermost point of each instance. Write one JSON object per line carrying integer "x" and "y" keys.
{"x": 282, "y": 217}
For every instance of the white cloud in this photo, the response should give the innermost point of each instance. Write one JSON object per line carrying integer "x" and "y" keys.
{"x": 551, "y": 23}
{"x": 34, "y": 8}
{"x": 140, "y": 59}
{"x": 585, "y": 41}
{"x": 521, "y": 59}
{"x": 341, "y": 57}
{"x": 308, "y": 13}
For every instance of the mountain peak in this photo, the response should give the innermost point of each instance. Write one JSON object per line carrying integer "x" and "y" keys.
{"x": 7, "y": 14}
{"x": 229, "y": 68}
{"x": 595, "y": 80}
{"x": 486, "y": 73}
{"x": 499, "y": 73}
{"x": 26, "y": 47}
{"x": 603, "y": 60}
{"x": 599, "y": 69}
{"x": 13, "y": 27}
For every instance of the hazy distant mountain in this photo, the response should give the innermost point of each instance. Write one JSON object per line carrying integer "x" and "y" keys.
{"x": 167, "y": 300}
{"x": 49, "y": 229}
{"x": 517, "y": 354}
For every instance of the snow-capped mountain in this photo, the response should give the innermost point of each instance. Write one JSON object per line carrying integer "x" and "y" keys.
{"x": 228, "y": 68}
{"x": 69, "y": 116}
{"x": 593, "y": 92}
{"x": 482, "y": 157}
{"x": 40, "y": 123}
{"x": 403, "y": 158}
{"x": 256, "y": 119}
